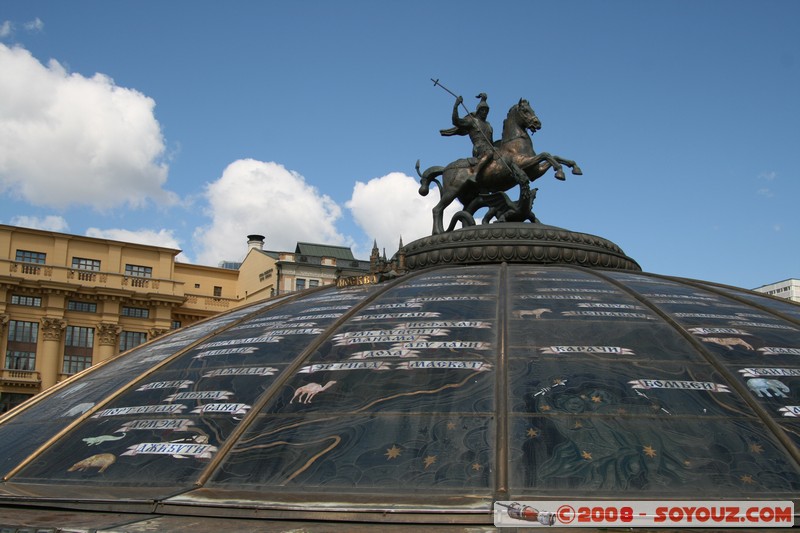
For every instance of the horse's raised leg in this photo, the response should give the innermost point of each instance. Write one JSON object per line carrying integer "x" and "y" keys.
{"x": 576, "y": 170}
{"x": 553, "y": 161}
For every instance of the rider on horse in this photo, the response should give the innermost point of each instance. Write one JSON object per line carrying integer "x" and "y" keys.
{"x": 479, "y": 130}
{"x": 480, "y": 133}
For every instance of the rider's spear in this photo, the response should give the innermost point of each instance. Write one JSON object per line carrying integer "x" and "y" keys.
{"x": 436, "y": 82}
{"x": 491, "y": 144}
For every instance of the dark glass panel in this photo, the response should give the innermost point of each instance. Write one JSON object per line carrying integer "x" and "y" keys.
{"x": 132, "y": 450}
{"x": 277, "y": 336}
{"x": 557, "y": 293}
{"x": 393, "y": 388}
{"x": 569, "y": 386}
{"x": 72, "y": 400}
{"x": 777, "y": 389}
{"x": 780, "y": 305}
{"x": 620, "y": 341}
{"x": 601, "y": 456}
{"x": 381, "y": 453}
{"x": 20, "y": 439}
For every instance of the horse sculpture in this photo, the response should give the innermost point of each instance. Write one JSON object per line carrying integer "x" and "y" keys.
{"x": 514, "y": 152}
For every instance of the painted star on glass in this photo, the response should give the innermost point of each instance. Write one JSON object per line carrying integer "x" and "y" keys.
{"x": 429, "y": 460}
{"x": 392, "y": 453}
{"x": 756, "y": 448}
{"x": 451, "y": 425}
{"x": 596, "y": 399}
{"x": 476, "y": 467}
{"x": 746, "y": 479}
{"x": 586, "y": 455}
{"x": 649, "y": 451}
{"x": 532, "y": 433}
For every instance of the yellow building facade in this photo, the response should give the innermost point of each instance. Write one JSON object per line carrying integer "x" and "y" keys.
{"x": 68, "y": 302}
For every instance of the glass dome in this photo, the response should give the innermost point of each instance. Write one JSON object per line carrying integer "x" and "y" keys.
{"x": 424, "y": 399}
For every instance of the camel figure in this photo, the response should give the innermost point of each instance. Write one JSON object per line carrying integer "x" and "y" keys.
{"x": 310, "y": 390}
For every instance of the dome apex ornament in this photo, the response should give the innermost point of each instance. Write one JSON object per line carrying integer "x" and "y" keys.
{"x": 482, "y": 180}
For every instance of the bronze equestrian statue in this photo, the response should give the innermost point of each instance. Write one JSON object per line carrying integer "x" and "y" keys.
{"x": 496, "y": 166}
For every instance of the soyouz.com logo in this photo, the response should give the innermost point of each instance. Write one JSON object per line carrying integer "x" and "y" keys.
{"x": 637, "y": 513}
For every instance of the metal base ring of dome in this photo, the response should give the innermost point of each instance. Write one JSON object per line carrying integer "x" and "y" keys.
{"x": 516, "y": 243}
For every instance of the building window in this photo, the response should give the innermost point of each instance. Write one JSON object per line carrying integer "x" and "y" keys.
{"x": 176, "y": 324}
{"x": 131, "y": 339}
{"x": 30, "y": 301}
{"x": 21, "y": 348}
{"x": 76, "y": 363}
{"x": 83, "y": 307}
{"x": 136, "y": 312}
{"x": 9, "y": 400}
{"x": 313, "y": 283}
{"x": 138, "y": 271}
{"x": 217, "y": 292}
{"x": 78, "y": 346}
{"x": 81, "y": 263}
{"x": 79, "y": 337}
{"x": 299, "y": 284}
{"x": 25, "y": 332}
{"x": 20, "y": 360}
{"x": 26, "y": 256}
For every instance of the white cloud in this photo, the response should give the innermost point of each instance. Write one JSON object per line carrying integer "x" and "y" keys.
{"x": 766, "y": 192}
{"x": 48, "y": 223}
{"x": 35, "y": 25}
{"x": 7, "y": 27}
{"x": 70, "y": 140}
{"x": 264, "y": 198}
{"x": 163, "y": 238}
{"x": 391, "y": 207}
{"x": 768, "y": 176}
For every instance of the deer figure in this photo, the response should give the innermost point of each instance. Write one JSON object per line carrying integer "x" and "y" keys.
{"x": 306, "y": 392}
{"x": 728, "y": 342}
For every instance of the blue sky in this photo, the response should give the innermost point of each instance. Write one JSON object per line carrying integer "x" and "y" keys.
{"x": 193, "y": 124}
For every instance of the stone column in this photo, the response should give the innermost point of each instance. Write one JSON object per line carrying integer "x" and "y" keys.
{"x": 3, "y": 323}
{"x": 51, "y": 356}
{"x": 107, "y": 335}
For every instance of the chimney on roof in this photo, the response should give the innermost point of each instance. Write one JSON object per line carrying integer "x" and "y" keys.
{"x": 255, "y": 241}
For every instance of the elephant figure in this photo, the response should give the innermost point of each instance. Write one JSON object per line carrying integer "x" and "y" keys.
{"x": 767, "y": 387}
